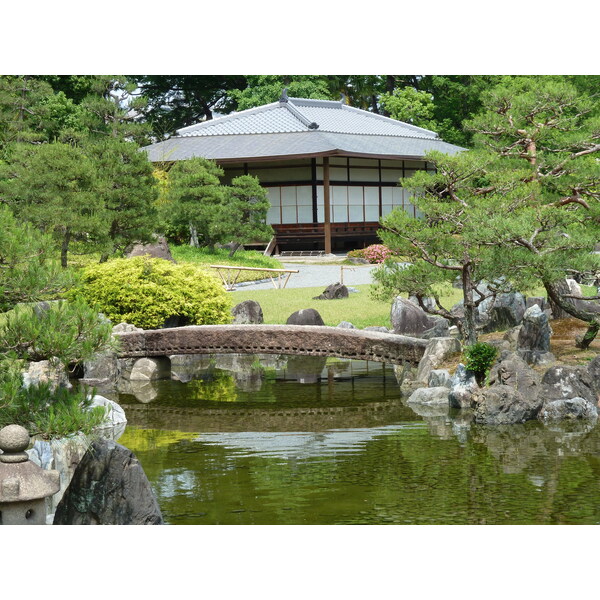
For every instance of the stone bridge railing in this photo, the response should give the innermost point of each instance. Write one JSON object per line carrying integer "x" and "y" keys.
{"x": 273, "y": 339}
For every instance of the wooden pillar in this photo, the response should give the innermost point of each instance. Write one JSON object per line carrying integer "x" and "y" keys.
{"x": 326, "y": 205}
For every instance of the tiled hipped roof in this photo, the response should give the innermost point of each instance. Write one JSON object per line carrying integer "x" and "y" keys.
{"x": 298, "y": 126}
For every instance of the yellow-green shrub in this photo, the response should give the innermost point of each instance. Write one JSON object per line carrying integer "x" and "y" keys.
{"x": 147, "y": 291}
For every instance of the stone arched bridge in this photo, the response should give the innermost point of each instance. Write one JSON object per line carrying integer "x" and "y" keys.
{"x": 273, "y": 339}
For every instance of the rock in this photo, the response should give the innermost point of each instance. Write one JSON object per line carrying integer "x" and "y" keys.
{"x": 109, "y": 487}
{"x": 125, "y": 328}
{"x": 593, "y": 371}
{"x": 158, "y": 249}
{"x": 247, "y": 312}
{"x": 305, "y": 316}
{"x": 563, "y": 382}
{"x": 357, "y": 261}
{"x": 503, "y": 312}
{"x": 441, "y": 328}
{"x": 533, "y": 342}
{"x": 144, "y": 391}
{"x": 463, "y": 386}
{"x": 115, "y": 415}
{"x": 377, "y": 328}
{"x": 439, "y": 378}
{"x": 437, "y": 351}
{"x": 103, "y": 369}
{"x": 346, "y": 325}
{"x": 568, "y": 408}
{"x": 46, "y": 371}
{"x": 513, "y": 371}
{"x": 409, "y": 319}
{"x": 431, "y": 395}
{"x": 352, "y": 290}
{"x": 511, "y": 336}
{"x": 149, "y": 369}
{"x": 335, "y": 291}
{"x": 539, "y": 300}
{"x": 503, "y": 405}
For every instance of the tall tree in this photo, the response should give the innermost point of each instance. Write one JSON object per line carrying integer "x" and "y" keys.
{"x": 54, "y": 187}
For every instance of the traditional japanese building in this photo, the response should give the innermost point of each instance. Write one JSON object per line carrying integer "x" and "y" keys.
{"x": 331, "y": 170}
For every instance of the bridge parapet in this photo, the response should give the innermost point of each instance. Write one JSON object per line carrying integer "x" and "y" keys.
{"x": 301, "y": 340}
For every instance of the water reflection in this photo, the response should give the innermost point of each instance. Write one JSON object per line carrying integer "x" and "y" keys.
{"x": 347, "y": 449}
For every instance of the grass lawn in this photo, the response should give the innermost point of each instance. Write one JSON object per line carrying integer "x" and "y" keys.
{"x": 359, "y": 308}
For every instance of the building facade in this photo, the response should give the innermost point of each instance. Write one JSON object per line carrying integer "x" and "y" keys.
{"x": 331, "y": 171}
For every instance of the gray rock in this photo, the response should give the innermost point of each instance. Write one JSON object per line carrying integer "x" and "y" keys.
{"x": 346, "y": 325}
{"x": 357, "y": 260}
{"x": 125, "y": 328}
{"x": 503, "y": 405}
{"x": 158, "y": 249}
{"x": 539, "y": 300}
{"x": 593, "y": 370}
{"x": 115, "y": 415}
{"x": 563, "y": 382}
{"x": 533, "y": 342}
{"x": 513, "y": 371}
{"x": 247, "y": 312}
{"x": 503, "y": 312}
{"x": 305, "y": 316}
{"x": 511, "y": 337}
{"x": 51, "y": 372}
{"x": 463, "y": 386}
{"x": 103, "y": 369}
{"x": 335, "y": 291}
{"x": 377, "y": 328}
{"x": 441, "y": 328}
{"x": 571, "y": 287}
{"x": 409, "y": 319}
{"x": 150, "y": 369}
{"x": 437, "y": 351}
{"x": 568, "y": 408}
{"x": 431, "y": 395}
{"x": 439, "y": 378}
{"x": 186, "y": 367}
{"x": 109, "y": 487}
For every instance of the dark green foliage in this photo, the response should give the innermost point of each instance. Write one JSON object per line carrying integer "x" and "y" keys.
{"x": 29, "y": 270}
{"x": 43, "y": 411}
{"x": 479, "y": 359}
{"x": 69, "y": 331}
{"x": 147, "y": 291}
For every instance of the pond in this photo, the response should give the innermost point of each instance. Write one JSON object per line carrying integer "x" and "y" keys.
{"x": 304, "y": 440}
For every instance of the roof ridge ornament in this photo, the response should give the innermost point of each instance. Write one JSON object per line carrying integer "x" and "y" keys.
{"x": 284, "y": 96}
{"x": 296, "y": 111}
{"x": 343, "y": 98}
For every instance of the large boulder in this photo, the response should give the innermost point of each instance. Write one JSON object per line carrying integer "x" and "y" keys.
{"x": 568, "y": 408}
{"x": 438, "y": 350}
{"x": 593, "y": 371}
{"x": 533, "y": 342}
{"x": 439, "y": 378}
{"x": 408, "y": 318}
{"x": 503, "y": 312}
{"x": 346, "y": 325}
{"x": 430, "y": 396}
{"x": 463, "y": 386}
{"x": 513, "y": 371}
{"x": 335, "y": 291}
{"x": 51, "y": 372}
{"x": 566, "y": 383}
{"x": 305, "y": 316}
{"x": 109, "y": 487}
{"x": 247, "y": 312}
{"x": 149, "y": 369}
{"x": 158, "y": 249}
{"x": 572, "y": 288}
{"x": 504, "y": 405}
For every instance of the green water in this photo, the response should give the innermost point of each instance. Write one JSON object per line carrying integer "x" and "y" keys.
{"x": 244, "y": 444}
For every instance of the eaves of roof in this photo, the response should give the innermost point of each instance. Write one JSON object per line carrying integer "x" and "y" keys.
{"x": 276, "y": 146}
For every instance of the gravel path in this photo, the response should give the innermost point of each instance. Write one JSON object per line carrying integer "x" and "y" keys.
{"x": 317, "y": 276}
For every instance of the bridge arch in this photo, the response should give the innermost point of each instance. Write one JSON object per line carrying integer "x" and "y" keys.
{"x": 273, "y": 339}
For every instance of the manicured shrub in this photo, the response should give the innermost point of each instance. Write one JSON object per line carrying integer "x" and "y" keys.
{"x": 147, "y": 291}
{"x": 479, "y": 359}
{"x": 375, "y": 254}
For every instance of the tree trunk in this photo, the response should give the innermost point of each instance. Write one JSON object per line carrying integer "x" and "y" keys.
{"x": 64, "y": 249}
{"x": 193, "y": 237}
{"x": 234, "y": 248}
{"x": 469, "y": 330}
{"x": 592, "y": 319}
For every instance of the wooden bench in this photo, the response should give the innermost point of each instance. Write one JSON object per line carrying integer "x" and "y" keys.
{"x": 230, "y": 275}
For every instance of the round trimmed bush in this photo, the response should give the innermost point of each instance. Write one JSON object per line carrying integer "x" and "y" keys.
{"x": 147, "y": 292}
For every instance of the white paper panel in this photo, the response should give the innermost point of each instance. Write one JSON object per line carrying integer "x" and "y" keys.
{"x": 364, "y": 174}
{"x": 305, "y": 214}
{"x": 288, "y": 214}
{"x": 391, "y": 174}
{"x": 339, "y": 196}
{"x": 355, "y": 195}
{"x": 288, "y": 196}
{"x": 304, "y": 195}
{"x": 355, "y": 213}
{"x": 371, "y": 213}
{"x": 371, "y": 196}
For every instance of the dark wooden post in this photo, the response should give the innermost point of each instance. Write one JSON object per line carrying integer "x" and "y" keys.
{"x": 326, "y": 206}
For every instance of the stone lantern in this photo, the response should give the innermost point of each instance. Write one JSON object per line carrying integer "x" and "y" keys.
{"x": 24, "y": 486}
